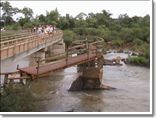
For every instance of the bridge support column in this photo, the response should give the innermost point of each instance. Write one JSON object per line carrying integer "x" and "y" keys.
{"x": 91, "y": 78}
{"x": 55, "y": 49}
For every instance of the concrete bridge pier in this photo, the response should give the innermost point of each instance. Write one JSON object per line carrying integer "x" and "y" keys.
{"x": 55, "y": 49}
{"x": 39, "y": 55}
{"x": 48, "y": 51}
{"x": 91, "y": 77}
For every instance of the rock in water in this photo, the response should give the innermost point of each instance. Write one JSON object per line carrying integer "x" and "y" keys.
{"x": 77, "y": 85}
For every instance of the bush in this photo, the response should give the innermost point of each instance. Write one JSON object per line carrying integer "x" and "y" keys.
{"x": 138, "y": 60}
{"x": 19, "y": 99}
{"x": 68, "y": 37}
{"x": 118, "y": 42}
{"x": 137, "y": 41}
{"x": 13, "y": 27}
{"x": 28, "y": 25}
{"x": 147, "y": 54}
{"x": 79, "y": 31}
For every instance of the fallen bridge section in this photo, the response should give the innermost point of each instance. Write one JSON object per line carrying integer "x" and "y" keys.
{"x": 59, "y": 64}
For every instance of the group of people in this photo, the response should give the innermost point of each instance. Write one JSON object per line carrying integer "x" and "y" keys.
{"x": 44, "y": 29}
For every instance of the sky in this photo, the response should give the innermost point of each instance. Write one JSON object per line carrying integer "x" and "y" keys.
{"x": 132, "y": 8}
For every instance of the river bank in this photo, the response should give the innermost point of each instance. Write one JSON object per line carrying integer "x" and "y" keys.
{"x": 133, "y": 58}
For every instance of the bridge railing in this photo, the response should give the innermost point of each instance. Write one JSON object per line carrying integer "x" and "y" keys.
{"x": 84, "y": 48}
{"x": 18, "y": 37}
{"x": 15, "y": 41}
{"x": 89, "y": 52}
{"x": 14, "y": 36}
{"x": 12, "y": 47}
{"x": 9, "y": 33}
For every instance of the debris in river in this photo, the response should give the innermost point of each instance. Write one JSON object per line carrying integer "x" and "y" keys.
{"x": 111, "y": 62}
{"x": 52, "y": 92}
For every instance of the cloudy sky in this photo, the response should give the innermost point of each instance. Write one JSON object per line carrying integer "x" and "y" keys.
{"x": 132, "y": 8}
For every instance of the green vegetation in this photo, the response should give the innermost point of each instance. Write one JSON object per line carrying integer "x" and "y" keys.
{"x": 19, "y": 99}
{"x": 139, "y": 61}
{"x": 69, "y": 36}
{"x": 15, "y": 26}
{"x": 124, "y": 32}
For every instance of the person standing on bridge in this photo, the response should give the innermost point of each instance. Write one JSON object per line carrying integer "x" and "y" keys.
{"x": 51, "y": 30}
{"x": 39, "y": 31}
{"x": 54, "y": 29}
{"x": 47, "y": 29}
{"x": 34, "y": 29}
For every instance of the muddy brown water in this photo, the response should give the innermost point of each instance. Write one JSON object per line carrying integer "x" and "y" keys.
{"x": 132, "y": 93}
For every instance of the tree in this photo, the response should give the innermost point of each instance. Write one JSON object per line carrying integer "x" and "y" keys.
{"x": 102, "y": 18}
{"x": 126, "y": 34}
{"x": 71, "y": 21}
{"x": 125, "y": 20}
{"x": 27, "y": 12}
{"x": 146, "y": 20}
{"x": 68, "y": 37}
{"x": 26, "y": 21}
{"x": 52, "y": 16}
{"x": 8, "y": 12}
{"x": 92, "y": 22}
{"x": 64, "y": 23}
{"x": 7, "y": 9}
{"x": 42, "y": 18}
{"x": 23, "y": 21}
{"x": 8, "y": 20}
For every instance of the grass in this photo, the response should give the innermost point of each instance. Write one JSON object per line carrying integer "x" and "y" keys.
{"x": 140, "y": 60}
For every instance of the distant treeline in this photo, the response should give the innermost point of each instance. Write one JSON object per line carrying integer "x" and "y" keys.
{"x": 123, "y": 31}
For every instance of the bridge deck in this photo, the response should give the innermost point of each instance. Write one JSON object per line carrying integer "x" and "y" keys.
{"x": 59, "y": 64}
{"x": 13, "y": 47}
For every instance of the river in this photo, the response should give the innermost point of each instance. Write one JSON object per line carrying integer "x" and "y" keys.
{"x": 132, "y": 93}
